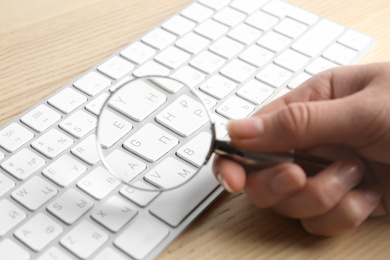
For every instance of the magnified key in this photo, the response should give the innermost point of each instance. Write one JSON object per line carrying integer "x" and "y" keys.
{"x": 171, "y": 138}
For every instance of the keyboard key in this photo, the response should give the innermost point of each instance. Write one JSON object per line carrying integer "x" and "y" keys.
{"x": 151, "y": 68}
{"x": 138, "y": 52}
{"x": 5, "y": 185}
{"x": 318, "y": 65}
{"x": 255, "y": 91}
{"x": 108, "y": 254}
{"x": 116, "y": 67}
{"x": 318, "y": 37}
{"x": 38, "y": 232}
{"x": 141, "y": 237}
{"x": 41, "y": 118}
{"x": 79, "y": 124}
{"x": 274, "y": 75}
{"x": 256, "y": 55}
{"x": 235, "y": 108}
{"x": 194, "y": 153}
{"x": 192, "y": 43}
{"x": 355, "y": 40}
{"x": 197, "y": 12}
{"x": 178, "y": 25}
{"x": 84, "y": 240}
{"x": 120, "y": 82}
{"x": 208, "y": 101}
{"x": 10, "y": 216}
{"x": 169, "y": 85}
{"x": 114, "y": 213}
{"x": 12, "y": 250}
{"x": 172, "y": 57}
{"x": 226, "y": 47}
{"x": 53, "y": 253}
{"x": 339, "y": 54}
{"x": 207, "y": 62}
{"x": 2, "y": 156}
{"x": 52, "y": 143}
{"x": 158, "y": 38}
{"x": 274, "y": 41}
{"x": 151, "y": 142}
{"x": 169, "y": 173}
{"x": 189, "y": 76}
{"x": 14, "y": 136}
{"x": 86, "y": 150}
{"x": 64, "y": 170}
{"x": 96, "y": 105}
{"x": 211, "y": 29}
{"x": 238, "y": 71}
{"x": 70, "y": 206}
{"x": 215, "y": 4}
{"x": 298, "y": 80}
{"x": 244, "y": 33}
{"x": 23, "y": 164}
{"x": 291, "y": 60}
{"x": 92, "y": 83}
{"x": 229, "y": 17}
{"x": 261, "y": 20}
{"x": 67, "y": 100}
{"x": 34, "y": 193}
{"x": 98, "y": 183}
{"x": 218, "y": 86}
{"x": 279, "y": 94}
{"x": 290, "y": 28}
{"x": 142, "y": 196}
{"x": 248, "y": 6}
{"x": 184, "y": 116}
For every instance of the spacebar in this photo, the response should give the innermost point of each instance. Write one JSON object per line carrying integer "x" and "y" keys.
{"x": 175, "y": 205}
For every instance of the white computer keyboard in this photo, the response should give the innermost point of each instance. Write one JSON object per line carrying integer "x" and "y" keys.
{"x": 57, "y": 201}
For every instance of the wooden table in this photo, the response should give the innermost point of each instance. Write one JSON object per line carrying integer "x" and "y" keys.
{"x": 45, "y": 44}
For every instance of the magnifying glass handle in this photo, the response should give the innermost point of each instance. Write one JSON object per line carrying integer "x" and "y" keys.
{"x": 310, "y": 163}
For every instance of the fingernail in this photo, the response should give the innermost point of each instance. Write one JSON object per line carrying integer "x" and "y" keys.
{"x": 286, "y": 181}
{"x": 373, "y": 195}
{"x": 224, "y": 183}
{"x": 350, "y": 174}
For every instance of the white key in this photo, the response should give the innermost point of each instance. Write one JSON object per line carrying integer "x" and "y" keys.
{"x": 158, "y": 38}
{"x": 282, "y": 9}
{"x": 92, "y": 83}
{"x": 238, "y": 70}
{"x": 67, "y": 100}
{"x": 346, "y": 57}
{"x": 114, "y": 213}
{"x": 229, "y": 17}
{"x": 279, "y": 94}
{"x": 121, "y": 82}
{"x": 96, "y": 105}
{"x": 14, "y": 136}
{"x": 41, "y": 118}
{"x": 235, "y": 108}
{"x": 318, "y": 37}
{"x": 86, "y": 150}
{"x": 184, "y": 116}
{"x": 178, "y": 25}
{"x": 169, "y": 85}
{"x": 12, "y": 250}
{"x": 151, "y": 142}
{"x": 248, "y": 6}
{"x": 244, "y": 33}
{"x": 114, "y": 128}
{"x": 320, "y": 64}
{"x": 23, "y": 164}
{"x": 108, "y": 254}
{"x": 142, "y": 196}
{"x": 10, "y": 216}
{"x": 355, "y": 40}
{"x": 220, "y": 124}
{"x": 211, "y": 29}
{"x": 138, "y": 52}
{"x": 5, "y": 185}
{"x": 256, "y": 55}
{"x": 255, "y": 91}
{"x": 192, "y": 43}
{"x": 170, "y": 173}
{"x": 207, "y": 62}
{"x": 290, "y": 28}
{"x": 215, "y": 4}
{"x": 2, "y": 156}
{"x": 53, "y": 253}
{"x": 70, "y": 206}
{"x": 226, "y": 47}
{"x": 274, "y": 75}
{"x": 64, "y": 170}
{"x": 141, "y": 237}
{"x": 196, "y": 150}
{"x": 208, "y": 101}
{"x": 197, "y": 12}
{"x": 38, "y": 232}
{"x": 116, "y": 67}
{"x": 298, "y": 80}
{"x": 98, "y": 183}
{"x": 172, "y": 57}
{"x": 138, "y": 101}
{"x": 333, "y": 51}
{"x": 52, "y": 143}
{"x": 34, "y": 193}
{"x": 151, "y": 68}
{"x": 123, "y": 165}
{"x": 174, "y": 206}
{"x": 261, "y": 20}
{"x": 79, "y": 124}
{"x": 274, "y": 41}
{"x": 189, "y": 76}
{"x": 291, "y": 60}
{"x": 84, "y": 239}
{"x": 218, "y": 86}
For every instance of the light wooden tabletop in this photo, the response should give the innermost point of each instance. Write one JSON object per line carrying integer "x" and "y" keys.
{"x": 45, "y": 44}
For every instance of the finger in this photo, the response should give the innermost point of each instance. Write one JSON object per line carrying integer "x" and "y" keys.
{"x": 270, "y": 186}
{"x": 349, "y": 213}
{"x": 231, "y": 175}
{"x": 323, "y": 191}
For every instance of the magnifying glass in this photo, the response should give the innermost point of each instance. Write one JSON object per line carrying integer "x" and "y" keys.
{"x": 154, "y": 133}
